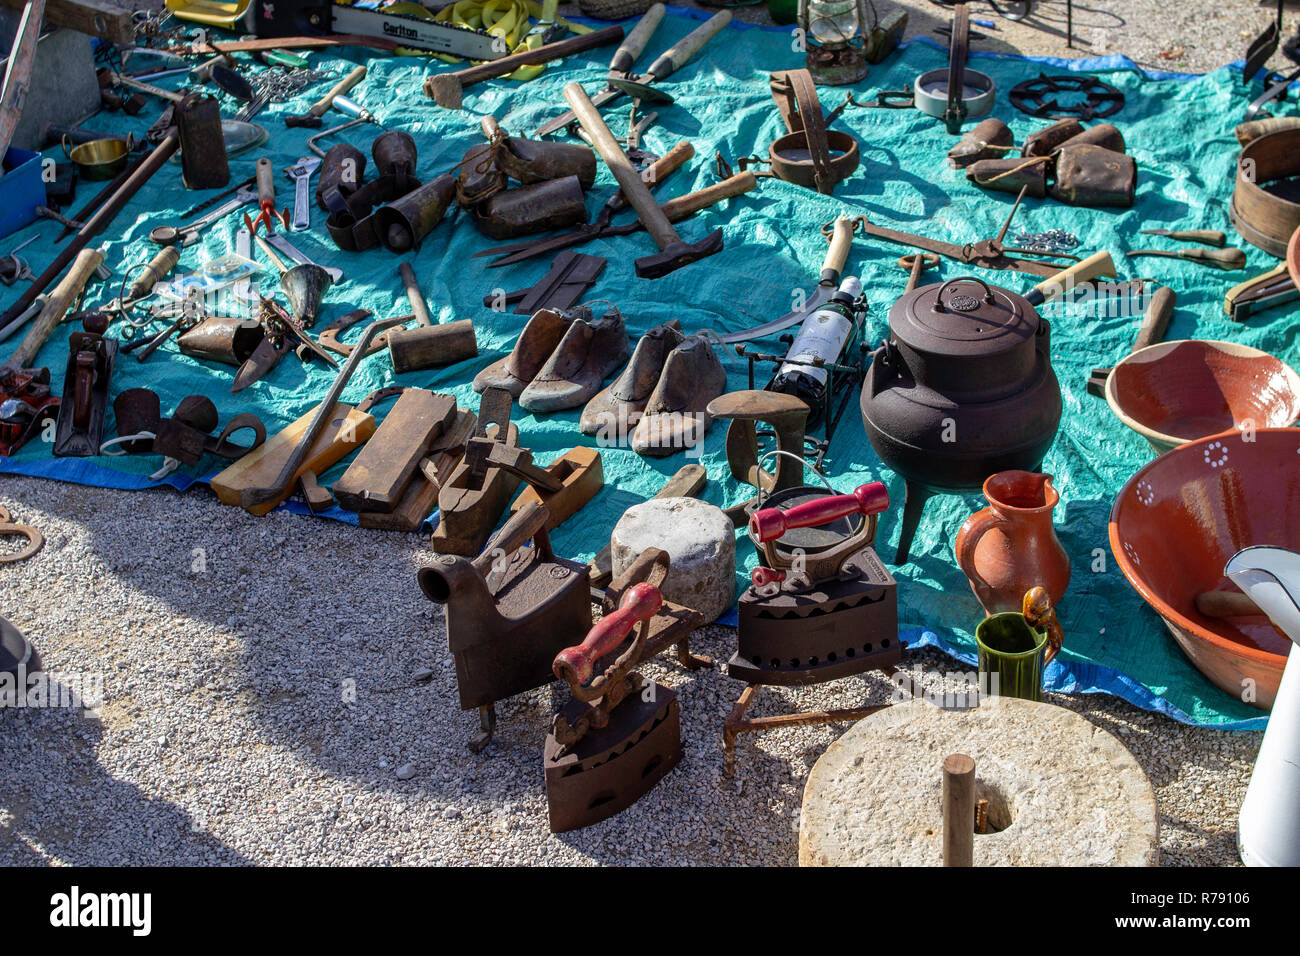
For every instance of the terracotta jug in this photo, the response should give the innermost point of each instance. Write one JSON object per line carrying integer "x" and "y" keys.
{"x": 1011, "y": 546}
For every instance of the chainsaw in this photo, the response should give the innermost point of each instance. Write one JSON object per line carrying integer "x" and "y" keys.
{"x": 287, "y": 18}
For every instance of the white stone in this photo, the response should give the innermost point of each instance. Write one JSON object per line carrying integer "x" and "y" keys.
{"x": 1073, "y": 794}
{"x": 701, "y": 543}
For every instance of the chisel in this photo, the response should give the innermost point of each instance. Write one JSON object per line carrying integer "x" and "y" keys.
{"x": 1225, "y": 259}
{"x": 1206, "y": 237}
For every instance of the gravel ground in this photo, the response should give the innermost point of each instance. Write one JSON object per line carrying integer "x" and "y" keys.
{"x": 263, "y": 700}
{"x": 227, "y": 646}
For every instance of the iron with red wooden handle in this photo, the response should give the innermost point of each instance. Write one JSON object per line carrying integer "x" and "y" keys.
{"x": 771, "y": 523}
{"x": 640, "y": 603}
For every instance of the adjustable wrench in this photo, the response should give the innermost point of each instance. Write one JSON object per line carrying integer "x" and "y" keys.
{"x": 300, "y": 174}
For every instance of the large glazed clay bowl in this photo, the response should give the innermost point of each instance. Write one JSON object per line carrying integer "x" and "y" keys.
{"x": 1176, "y": 392}
{"x": 1177, "y": 522}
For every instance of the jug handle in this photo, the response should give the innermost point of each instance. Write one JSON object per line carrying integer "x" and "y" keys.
{"x": 968, "y": 538}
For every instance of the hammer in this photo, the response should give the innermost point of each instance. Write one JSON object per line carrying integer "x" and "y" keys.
{"x": 312, "y": 118}
{"x": 673, "y": 252}
{"x": 1154, "y": 325}
{"x": 428, "y": 345}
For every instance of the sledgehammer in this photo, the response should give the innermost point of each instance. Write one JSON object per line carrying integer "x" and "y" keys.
{"x": 673, "y": 252}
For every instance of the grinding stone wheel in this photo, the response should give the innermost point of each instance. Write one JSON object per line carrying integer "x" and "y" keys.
{"x": 1061, "y": 791}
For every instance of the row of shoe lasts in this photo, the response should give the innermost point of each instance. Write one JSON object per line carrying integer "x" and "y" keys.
{"x": 657, "y": 404}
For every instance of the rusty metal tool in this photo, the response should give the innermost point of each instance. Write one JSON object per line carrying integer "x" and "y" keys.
{"x": 188, "y": 234}
{"x": 1206, "y": 237}
{"x": 662, "y": 168}
{"x": 94, "y": 225}
{"x": 1225, "y": 259}
{"x": 986, "y": 253}
{"x": 622, "y": 81}
{"x": 615, "y": 712}
{"x": 282, "y": 335}
{"x": 841, "y": 240}
{"x": 509, "y": 611}
{"x": 312, "y": 118}
{"x": 673, "y": 252}
{"x": 570, "y": 275}
{"x": 254, "y": 497}
{"x": 1155, "y": 323}
{"x": 447, "y": 89}
{"x": 1260, "y": 293}
{"x": 682, "y": 207}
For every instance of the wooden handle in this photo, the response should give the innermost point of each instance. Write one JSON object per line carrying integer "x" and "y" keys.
{"x": 419, "y": 307}
{"x": 56, "y": 307}
{"x": 1226, "y": 604}
{"x": 771, "y": 523}
{"x": 683, "y": 206}
{"x": 342, "y": 86}
{"x": 523, "y": 526}
{"x": 157, "y": 269}
{"x": 640, "y": 603}
{"x": 1094, "y": 267}
{"x": 1225, "y": 259}
{"x": 838, "y": 253}
{"x": 1160, "y": 311}
{"x": 636, "y": 191}
{"x": 265, "y": 181}
{"x": 677, "y": 55}
{"x": 1210, "y": 237}
{"x": 635, "y": 43}
{"x": 664, "y": 166}
{"x": 958, "y": 804}
{"x": 436, "y": 84}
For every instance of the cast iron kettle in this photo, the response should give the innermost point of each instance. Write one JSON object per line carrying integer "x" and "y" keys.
{"x": 962, "y": 389}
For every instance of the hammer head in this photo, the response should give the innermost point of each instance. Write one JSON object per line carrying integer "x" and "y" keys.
{"x": 307, "y": 120}
{"x": 677, "y": 254}
{"x": 642, "y": 92}
{"x": 445, "y": 89}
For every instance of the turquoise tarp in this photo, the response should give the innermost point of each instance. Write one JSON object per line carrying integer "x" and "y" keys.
{"x": 1179, "y": 128}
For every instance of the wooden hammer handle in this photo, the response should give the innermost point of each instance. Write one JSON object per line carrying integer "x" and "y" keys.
{"x": 340, "y": 88}
{"x": 681, "y": 207}
{"x": 1156, "y": 321}
{"x": 659, "y": 170}
{"x": 543, "y": 54}
{"x": 636, "y": 191}
{"x": 1094, "y": 267}
{"x": 56, "y": 307}
{"x": 640, "y": 603}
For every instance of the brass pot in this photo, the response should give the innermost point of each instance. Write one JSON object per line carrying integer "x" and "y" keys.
{"x": 100, "y": 158}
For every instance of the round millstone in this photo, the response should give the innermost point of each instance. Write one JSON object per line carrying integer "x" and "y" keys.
{"x": 1061, "y": 791}
{"x": 701, "y": 543}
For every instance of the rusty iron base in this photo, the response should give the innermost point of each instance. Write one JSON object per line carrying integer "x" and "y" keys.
{"x": 609, "y": 769}
{"x": 737, "y": 723}
{"x": 827, "y": 631}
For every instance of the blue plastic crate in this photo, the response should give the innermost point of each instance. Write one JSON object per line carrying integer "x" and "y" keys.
{"x": 22, "y": 189}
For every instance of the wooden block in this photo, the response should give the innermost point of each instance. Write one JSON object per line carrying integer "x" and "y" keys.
{"x": 347, "y": 429}
{"x": 580, "y": 474}
{"x": 377, "y": 478}
{"x": 421, "y": 494}
{"x": 97, "y": 18}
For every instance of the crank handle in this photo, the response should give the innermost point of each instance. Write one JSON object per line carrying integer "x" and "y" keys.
{"x": 640, "y": 603}
{"x": 771, "y": 523}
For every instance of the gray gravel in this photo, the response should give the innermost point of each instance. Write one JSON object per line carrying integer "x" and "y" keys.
{"x": 227, "y": 733}
{"x": 293, "y": 702}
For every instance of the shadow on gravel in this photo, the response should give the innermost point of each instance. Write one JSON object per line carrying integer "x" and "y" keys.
{"x": 57, "y": 803}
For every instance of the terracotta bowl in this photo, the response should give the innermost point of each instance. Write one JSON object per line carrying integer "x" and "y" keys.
{"x": 1176, "y": 392}
{"x": 1177, "y": 522}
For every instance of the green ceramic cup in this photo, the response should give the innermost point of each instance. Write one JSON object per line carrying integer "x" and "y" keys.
{"x": 1015, "y": 652}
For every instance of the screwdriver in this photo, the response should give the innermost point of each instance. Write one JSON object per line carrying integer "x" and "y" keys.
{"x": 1225, "y": 259}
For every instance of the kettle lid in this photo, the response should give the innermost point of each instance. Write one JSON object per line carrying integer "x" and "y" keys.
{"x": 963, "y": 317}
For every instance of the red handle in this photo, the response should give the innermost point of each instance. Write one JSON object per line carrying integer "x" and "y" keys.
{"x": 640, "y": 603}
{"x": 770, "y": 523}
{"x": 761, "y": 576}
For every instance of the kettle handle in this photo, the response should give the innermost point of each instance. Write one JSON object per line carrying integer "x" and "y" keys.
{"x": 938, "y": 296}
